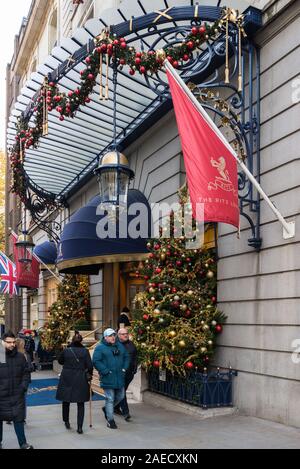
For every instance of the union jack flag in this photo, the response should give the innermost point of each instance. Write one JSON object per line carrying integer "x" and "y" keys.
{"x": 8, "y": 276}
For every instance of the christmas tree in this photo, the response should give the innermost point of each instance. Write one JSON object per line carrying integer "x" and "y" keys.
{"x": 71, "y": 309}
{"x": 176, "y": 322}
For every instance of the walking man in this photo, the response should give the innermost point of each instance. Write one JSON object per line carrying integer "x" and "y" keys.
{"x": 123, "y": 337}
{"x": 111, "y": 360}
{"x": 14, "y": 379}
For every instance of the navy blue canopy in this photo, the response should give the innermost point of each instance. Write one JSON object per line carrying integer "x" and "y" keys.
{"x": 47, "y": 252}
{"x": 83, "y": 249}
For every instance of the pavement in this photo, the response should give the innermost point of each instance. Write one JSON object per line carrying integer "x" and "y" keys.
{"x": 150, "y": 428}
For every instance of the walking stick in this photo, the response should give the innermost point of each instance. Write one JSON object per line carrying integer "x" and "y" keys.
{"x": 91, "y": 400}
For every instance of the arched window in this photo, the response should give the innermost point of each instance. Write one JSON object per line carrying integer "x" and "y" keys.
{"x": 52, "y": 31}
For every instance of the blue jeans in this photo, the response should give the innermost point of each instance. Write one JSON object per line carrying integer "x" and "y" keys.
{"x": 19, "y": 429}
{"x": 112, "y": 398}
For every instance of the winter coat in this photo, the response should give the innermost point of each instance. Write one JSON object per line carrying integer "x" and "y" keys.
{"x": 73, "y": 384}
{"x": 123, "y": 321}
{"x": 133, "y": 358}
{"x": 111, "y": 361}
{"x": 14, "y": 381}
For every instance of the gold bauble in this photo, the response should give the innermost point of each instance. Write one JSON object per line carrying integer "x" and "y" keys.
{"x": 156, "y": 312}
{"x": 205, "y": 327}
{"x": 161, "y": 55}
{"x": 210, "y": 343}
{"x": 210, "y": 274}
{"x": 182, "y": 344}
{"x": 172, "y": 334}
{"x": 162, "y": 257}
{"x": 203, "y": 349}
{"x": 151, "y": 290}
{"x": 184, "y": 307}
{"x": 190, "y": 292}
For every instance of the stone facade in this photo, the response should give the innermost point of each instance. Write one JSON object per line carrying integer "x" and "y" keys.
{"x": 259, "y": 292}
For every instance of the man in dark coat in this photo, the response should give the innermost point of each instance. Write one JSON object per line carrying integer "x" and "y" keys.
{"x": 111, "y": 360}
{"x": 74, "y": 383}
{"x": 123, "y": 337}
{"x": 14, "y": 381}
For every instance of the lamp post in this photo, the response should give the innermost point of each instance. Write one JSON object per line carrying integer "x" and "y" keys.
{"x": 113, "y": 173}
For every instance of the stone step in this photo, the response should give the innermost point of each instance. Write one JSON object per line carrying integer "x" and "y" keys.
{"x": 166, "y": 403}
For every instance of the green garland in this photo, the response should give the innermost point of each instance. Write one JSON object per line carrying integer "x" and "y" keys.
{"x": 110, "y": 48}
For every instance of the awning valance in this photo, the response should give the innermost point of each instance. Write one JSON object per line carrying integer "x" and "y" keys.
{"x": 47, "y": 253}
{"x": 82, "y": 251}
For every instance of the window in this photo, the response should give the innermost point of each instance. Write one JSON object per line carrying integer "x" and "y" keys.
{"x": 52, "y": 31}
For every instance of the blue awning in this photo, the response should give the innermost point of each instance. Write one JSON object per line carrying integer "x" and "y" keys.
{"x": 47, "y": 252}
{"x": 82, "y": 251}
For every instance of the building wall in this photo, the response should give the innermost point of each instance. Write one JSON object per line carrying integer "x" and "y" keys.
{"x": 260, "y": 292}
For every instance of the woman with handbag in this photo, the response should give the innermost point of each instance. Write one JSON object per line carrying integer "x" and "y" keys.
{"x": 75, "y": 379}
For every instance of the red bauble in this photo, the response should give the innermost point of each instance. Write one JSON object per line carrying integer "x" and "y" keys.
{"x": 157, "y": 247}
{"x": 51, "y": 84}
{"x": 219, "y": 328}
{"x": 158, "y": 271}
{"x": 77, "y": 91}
{"x": 123, "y": 45}
{"x": 189, "y": 365}
{"x": 138, "y": 54}
{"x": 138, "y": 61}
{"x": 87, "y": 100}
{"x": 190, "y": 45}
{"x": 194, "y": 31}
{"x": 178, "y": 263}
{"x": 146, "y": 317}
{"x": 156, "y": 364}
{"x": 214, "y": 299}
{"x": 116, "y": 42}
{"x": 61, "y": 118}
{"x": 175, "y": 304}
{"x": 131, "y": 72}
{"x": 91, "y": 76}
{"x": 206, "y": 359}
{"x": 143, "y": 70}
{"x": 186, "y": 57}
{"x": 174, "y": 290}
{"x": 70, "y": 94}
{"x": 88, "y": 60}
{"x": 59, "y": 109}
{"x": 202, "y": 30}
{"x": 188, "y": 314}
{"x": 122, "y": 61}
{"x": 170, "y": 59}
{"x": 175, "y": 64}
{"x": 103, "y": 48}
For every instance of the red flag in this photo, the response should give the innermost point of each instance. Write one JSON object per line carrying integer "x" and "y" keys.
{"x": 27, "y": 274}
{"x": 210, "y": 165}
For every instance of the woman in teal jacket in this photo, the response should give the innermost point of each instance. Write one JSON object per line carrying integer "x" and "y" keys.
{"x": 111, "y": 360}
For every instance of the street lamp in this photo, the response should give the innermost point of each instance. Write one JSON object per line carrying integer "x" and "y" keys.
{"x": 114, "y": 177}
{"x": 25, "y": 246}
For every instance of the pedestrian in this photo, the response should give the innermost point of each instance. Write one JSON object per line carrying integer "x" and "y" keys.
{"x": 111, "y": 360}
{"x": 20, "y": 344}
{"x": 29, "y": 345}
{"x": 14, "y": 379}
{"x": 36, "y": 339}
{"x": 124, "y": 319}
{"x": 75, "y": 380}
{"x": 123, "y": 337}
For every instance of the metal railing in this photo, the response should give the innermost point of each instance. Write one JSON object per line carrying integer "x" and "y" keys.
{"x": 206, "y": 390}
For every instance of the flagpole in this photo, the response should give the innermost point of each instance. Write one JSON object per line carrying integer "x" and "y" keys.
{"x": 48, "y": 268}
{"x": 289, "y": 228}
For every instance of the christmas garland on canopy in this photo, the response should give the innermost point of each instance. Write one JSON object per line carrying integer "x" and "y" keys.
{"x": 108, "y": 48}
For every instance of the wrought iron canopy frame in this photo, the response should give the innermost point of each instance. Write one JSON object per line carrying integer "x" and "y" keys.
{"x": 150, "y": 31}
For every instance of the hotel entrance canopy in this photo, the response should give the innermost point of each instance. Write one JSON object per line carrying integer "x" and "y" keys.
{"x": 65, "y": 159}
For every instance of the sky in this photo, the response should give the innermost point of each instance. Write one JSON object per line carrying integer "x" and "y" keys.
{"x": 12, "y": 12}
